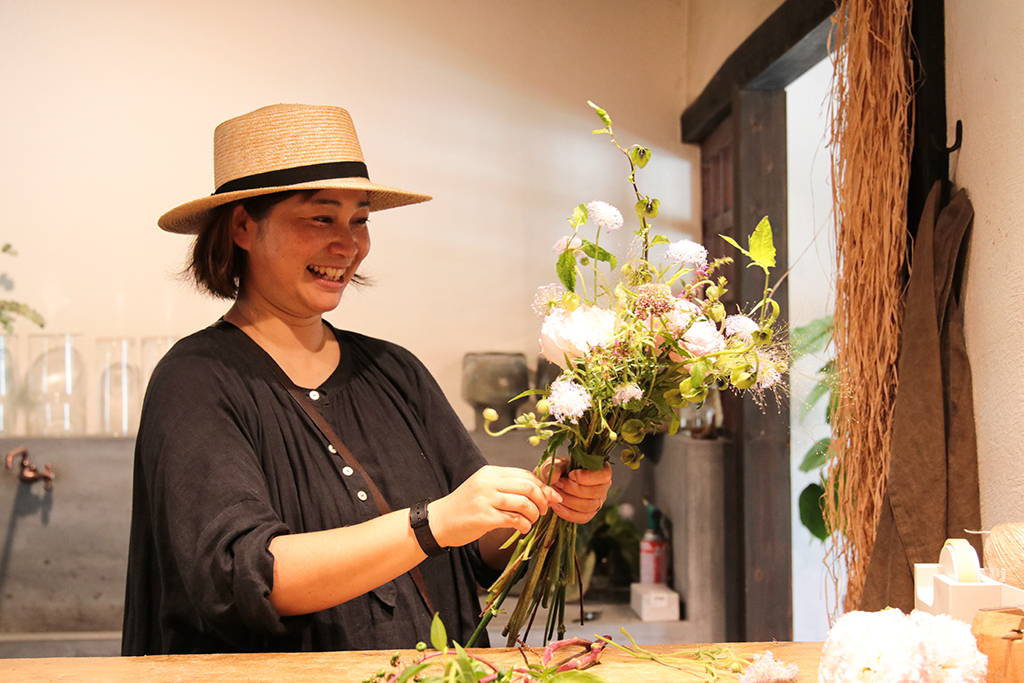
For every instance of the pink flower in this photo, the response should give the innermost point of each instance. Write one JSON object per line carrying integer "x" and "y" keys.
{"x": 627, "y": 393}
{"x": 569, "y": 242}
{"x": 740, "y": 326}
{"x": 572, "y": 335}
{"x": 568, "y": 400}
{"x": 767, "y": 669}
{"x": 605, "y": 215}
{"x": 688, "y": 251}
{"x": 703, "y": 338}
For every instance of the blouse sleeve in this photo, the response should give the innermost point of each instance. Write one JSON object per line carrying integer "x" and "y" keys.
{"x": 209, "y": 503}
{"x": 456, "y": 453}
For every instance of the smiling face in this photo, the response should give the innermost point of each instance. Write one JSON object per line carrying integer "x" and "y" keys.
{"x": 304, "y": 252}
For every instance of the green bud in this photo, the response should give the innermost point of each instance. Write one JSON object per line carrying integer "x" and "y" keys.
{"x": 612, "y": 436}
{"x": 490, "y": 414}
{"x": 584, "y": 261}
{"x": 639, "y": 155}
{"x": 742, "y": 379}
{"x": 735, "y": 667}
{"x": 713, "y": 292}
{"x": 631, "y": 458}
{"x": 762, "y": 336}
{"x": 542, "y": 406}
{"x": 717, "y": 312}
{"x": 633, "y": 431}
{"x": 534, "y": 440}
{"x": 607, "y": 120}
{"x": 421, "y": 646}
{"x": 395, "y": 658}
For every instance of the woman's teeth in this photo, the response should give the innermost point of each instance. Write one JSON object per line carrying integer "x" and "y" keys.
{"x": 332, "y": 274}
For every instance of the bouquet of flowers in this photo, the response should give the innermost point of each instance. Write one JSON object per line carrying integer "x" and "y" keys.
{"x": 636, "y": 341}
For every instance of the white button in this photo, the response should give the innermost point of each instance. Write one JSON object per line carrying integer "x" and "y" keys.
{"x": 361, "y": 495}
{"x": 347, "y": 471}
{"x": 331, "y": 448}
{"x": 314, "y": 394}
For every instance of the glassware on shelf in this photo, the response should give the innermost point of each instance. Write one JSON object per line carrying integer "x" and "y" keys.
{"x": 8, "y": 387}
{"x": 56, "y": 386}
{"x": 153, "y": 349}
{"x": 119, "y": 379}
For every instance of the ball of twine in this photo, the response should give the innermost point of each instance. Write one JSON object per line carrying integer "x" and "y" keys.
{"x": 1004, "y": 550}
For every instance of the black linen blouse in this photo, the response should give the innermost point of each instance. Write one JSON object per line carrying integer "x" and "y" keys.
{"x": 225, "y": 460}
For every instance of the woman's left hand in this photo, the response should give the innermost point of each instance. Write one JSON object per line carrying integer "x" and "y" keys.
{"x": 583, "y": 491}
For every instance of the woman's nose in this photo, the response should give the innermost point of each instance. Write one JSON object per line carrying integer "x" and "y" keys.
{"x": 343, "y": 241}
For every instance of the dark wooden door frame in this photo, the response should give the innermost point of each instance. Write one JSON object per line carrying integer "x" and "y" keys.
{"x": 748, "y": 93}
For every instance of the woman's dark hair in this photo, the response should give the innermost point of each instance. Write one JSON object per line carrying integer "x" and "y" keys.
{"x": 218, "y": 265}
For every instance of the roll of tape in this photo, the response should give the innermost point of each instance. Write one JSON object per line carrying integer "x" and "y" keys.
{"x": 959, "y": 561}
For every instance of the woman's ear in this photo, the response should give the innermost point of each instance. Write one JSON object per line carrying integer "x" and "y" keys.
{"x": 243, "y": 228}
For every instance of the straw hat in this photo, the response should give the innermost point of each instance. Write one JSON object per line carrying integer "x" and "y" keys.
{"x": 284, "y": 147}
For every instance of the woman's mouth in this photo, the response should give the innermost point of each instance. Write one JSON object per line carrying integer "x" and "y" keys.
{"x": 331, "y": 274}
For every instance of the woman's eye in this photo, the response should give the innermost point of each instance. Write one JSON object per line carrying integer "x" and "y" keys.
{"x": 324, "y": 219}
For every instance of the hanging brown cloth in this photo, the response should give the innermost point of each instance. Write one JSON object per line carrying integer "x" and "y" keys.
{"x": 932, "y": 491}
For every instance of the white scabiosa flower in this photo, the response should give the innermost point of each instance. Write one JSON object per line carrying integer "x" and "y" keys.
{"x": 546, "y": 298}
{"x": 568, "y": 400}
{"x": 688, "y": 251}
{"x": 740, "y": 326}
{"x": 627, "y": 393}
{"x": 573, "y": 333}
{"x": 567, "y": 243}
{"x": 767, "y": 669}
{"x": 605, "y": 215}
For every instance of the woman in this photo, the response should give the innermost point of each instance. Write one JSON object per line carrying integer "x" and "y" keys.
{"x": 251, "y": 530}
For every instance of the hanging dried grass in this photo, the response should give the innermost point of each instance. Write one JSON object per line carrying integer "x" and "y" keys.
{"x": 870, "y": 146}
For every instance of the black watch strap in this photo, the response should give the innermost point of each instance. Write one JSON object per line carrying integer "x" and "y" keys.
{"x": 421, "y": 527}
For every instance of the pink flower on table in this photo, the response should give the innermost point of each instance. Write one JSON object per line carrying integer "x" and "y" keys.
{"x": 740, "y": 326}
{"x": 567, "y": 243}
{"x": 688, "y": 251}
{"x": 574, "y": 333}
{"x": 568, "y": 400}
{"x": 605, "y": 215}
{"x": 767, "y": 669}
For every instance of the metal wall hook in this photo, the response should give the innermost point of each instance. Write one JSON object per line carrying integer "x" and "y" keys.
{"x": 29, "y": 474}
{"x": 959, "y": 137}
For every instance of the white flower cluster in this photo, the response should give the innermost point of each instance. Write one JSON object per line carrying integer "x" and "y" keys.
{"x": 892, "y": 647}
{"x": 741, "y": 326}
{"x": 767, "y": 669}
{"x": 568, "y": 400}
{"x": 604, "y": 215}
{"x": 688, "y": 251}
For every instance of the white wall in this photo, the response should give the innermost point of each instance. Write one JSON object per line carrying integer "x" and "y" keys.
{"x": 811, "y": 296}
{"x": 985, "y": 89}
{"x": 110, "y": 107}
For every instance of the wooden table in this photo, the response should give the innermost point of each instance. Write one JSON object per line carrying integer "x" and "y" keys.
{"x": 348, "y": 667}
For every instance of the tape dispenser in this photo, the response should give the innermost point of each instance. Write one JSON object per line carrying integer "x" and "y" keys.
{"x": 957, "y": 586}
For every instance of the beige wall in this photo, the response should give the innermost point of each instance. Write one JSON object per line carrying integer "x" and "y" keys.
{"x": 110, "y": 105}
{"x": 985, "y": 89}
{"x": 715, "y": 29}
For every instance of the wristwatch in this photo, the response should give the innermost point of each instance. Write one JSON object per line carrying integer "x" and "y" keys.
{"x": 421, "y": 527}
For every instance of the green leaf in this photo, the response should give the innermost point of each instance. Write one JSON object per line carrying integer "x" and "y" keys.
{"x": 639, "y": 155}
{"x": 817, "y": 456}
{"x": 762, "y": 248}
{"x": 812, "y": 337}
{"x": 607, "y": 120}
{"x": 735, "y": 244}
{"x": 579, "y": 216}
{"x": 577, "y": 676}
{"x": 438, "y": 635}
{"x": 586, "y": 460}
{"x": 409, "y": 672}
{"x": 566, "y": 269}
{"x": 599, "y": 253}
{"x": 819, "y": 390}
{"x": 659, "y": 239}
{"x": 811, "y": 515}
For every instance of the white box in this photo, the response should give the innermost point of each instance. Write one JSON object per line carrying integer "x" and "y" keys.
{"x": 654, "y": 602}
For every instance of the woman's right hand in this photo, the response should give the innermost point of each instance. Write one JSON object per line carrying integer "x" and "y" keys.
{"x": 492, "y": 498}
